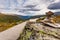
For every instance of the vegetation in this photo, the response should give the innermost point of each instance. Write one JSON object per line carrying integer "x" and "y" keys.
{"x": 56, "y": 19}
{"x": 45, "y": 33}
{"x": 7, "y": 21}
{"x": 25, "y": 35}
{"x": 41, "y": 18}
{"x": 29, "y": 33}
{"x": 32, "y": 33}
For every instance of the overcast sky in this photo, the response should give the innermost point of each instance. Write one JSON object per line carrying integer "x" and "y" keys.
{"x": 10, "y": 6}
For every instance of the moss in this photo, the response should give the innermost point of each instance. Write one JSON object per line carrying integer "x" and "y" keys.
{"x": 25, "y": 35}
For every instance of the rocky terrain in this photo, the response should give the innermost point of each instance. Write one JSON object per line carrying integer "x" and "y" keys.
{"x": 39, "y": 31}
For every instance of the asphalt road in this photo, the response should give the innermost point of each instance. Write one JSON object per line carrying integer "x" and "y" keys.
{"x": 12, "y": 33}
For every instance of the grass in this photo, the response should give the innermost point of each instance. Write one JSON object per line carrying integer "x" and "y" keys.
{"x": 56, "y": 19}
{"x": 25, "y": 35}
{"x": 8, "y": 21}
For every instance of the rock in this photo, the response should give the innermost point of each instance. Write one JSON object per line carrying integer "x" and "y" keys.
{"x": 42, "y": 32}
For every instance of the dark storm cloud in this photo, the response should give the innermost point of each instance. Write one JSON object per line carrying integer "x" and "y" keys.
{"x": 54, "y": 6}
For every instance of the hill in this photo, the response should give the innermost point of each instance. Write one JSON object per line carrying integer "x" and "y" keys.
{"x": 39, "y": 31}
{"x": 7, "y": 21}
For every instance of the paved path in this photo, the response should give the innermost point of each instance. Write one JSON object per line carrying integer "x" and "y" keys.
{"x": 12, "y": 33}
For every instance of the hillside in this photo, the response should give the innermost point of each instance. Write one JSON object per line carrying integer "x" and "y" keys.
{"x": 39, "y": 31}
{"x": 58, "y": 19}
{"x": 7, "y": 21}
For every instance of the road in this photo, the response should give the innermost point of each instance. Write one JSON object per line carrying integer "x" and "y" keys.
{"x": 12, "y": 33}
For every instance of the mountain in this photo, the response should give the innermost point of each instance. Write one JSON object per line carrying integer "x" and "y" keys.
{"x": 23, "y": 17}
{"x": 57, "y": 13}
{"x": 29, "y": 17}
{"x": 7, "y": 18}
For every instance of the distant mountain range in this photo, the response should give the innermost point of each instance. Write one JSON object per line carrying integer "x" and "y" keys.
{"x": 36, "y": 16}
{"x": 57, "y": 13}
{"x": 30, "y": 17}
{"x": 23, "y": 17}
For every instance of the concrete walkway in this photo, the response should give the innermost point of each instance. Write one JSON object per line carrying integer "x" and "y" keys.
{"x": 12, "y": 33}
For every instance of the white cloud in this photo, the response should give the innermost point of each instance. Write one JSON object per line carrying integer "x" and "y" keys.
{"x": 40, "y": 5}
{"x": 20, "y": 3}
{"x": 56, "y": 1}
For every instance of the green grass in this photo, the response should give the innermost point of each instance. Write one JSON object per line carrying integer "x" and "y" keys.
{"x": 8, "y": 21}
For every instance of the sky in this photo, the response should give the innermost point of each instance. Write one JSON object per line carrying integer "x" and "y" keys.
{"x": 21, "y": 7}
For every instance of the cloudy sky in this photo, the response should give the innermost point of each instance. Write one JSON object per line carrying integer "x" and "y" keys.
{"x": 21, "y": 7}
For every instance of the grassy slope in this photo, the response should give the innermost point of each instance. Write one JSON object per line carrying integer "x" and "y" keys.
{"x": 7, "y": 21}
{"x": 58, "y": 19}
